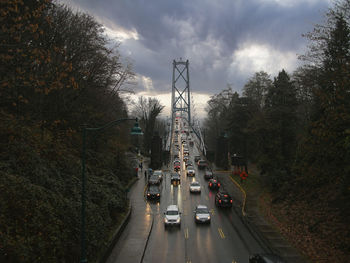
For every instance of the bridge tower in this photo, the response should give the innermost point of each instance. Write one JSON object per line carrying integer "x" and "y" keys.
{"x": 181, "y": 98}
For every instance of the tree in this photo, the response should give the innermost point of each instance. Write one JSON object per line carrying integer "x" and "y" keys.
{"x": 257, "y": 87}
{"x": 147, "y": 111}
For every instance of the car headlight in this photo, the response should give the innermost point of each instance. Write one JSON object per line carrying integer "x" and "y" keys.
{"x": 178, "y": 220}
{"x": 197, "y": 217}
{"x": 165, "y": 220}
{"x": 208, "y": 217}
{"x": 157, "y": 194}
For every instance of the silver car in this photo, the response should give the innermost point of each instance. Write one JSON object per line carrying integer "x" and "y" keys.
{"x": 202, "y": 214}
{"x": 172, "y": 216}
{"x": 190, "y": 171}
{"x": 195, "y": 187}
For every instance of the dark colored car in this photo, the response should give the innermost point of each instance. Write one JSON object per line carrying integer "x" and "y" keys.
{"x": 175, "y": 178}
{"x": 197, "y": 158}
{"x": 202, "y": 214}
{"x": 153, "y": 192}
{"x": 265, "y": 258}
{"x": 223, "y": 199}
{"x": 188, "y": 163}
{"x": 208, "y": 174}
{"x": 154, "y": 179}
{"x": 202, "y": 164}
{"x": 214, "y": 184}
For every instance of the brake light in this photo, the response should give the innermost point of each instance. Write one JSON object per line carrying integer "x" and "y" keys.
{"x": 210, "y": 184}
{"x": 231, "y": 201}
{"x": 218, "y": 184}
{"x": 225, "y": 195}
{"x": 220, "y": 201}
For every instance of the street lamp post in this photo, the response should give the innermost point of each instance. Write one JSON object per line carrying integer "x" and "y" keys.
{"x": 136, "y": 130}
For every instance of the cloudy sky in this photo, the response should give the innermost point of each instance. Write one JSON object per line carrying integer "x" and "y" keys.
{"x": 225, "y": 41}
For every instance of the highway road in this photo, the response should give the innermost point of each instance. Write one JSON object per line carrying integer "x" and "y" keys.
{"x": 226, "y": 239}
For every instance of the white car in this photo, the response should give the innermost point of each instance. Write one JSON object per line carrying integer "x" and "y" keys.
{"x": 172, "y": 216}
{"x": 190, "y": 171}
{"x": 195, "y": 187}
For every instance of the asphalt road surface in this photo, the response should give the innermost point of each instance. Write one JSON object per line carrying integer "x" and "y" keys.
{"x": 226, "y": 239}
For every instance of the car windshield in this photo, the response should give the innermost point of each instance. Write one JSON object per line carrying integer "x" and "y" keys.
{"x": 153, "y": 190}
{"x": 172, "y": 213}
{"x": 189, "y": 167}
{"x": 195, "y": 184}
{"x": 202, "y": 211}
{"x": 157, "y": 173}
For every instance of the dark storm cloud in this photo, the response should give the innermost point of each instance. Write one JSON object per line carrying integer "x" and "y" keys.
{"x": 207, "y": 33}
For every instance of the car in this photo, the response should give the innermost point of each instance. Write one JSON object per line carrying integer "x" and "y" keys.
{"x": 223, "y": 199}
{"x": 186, "y": 152}
{"x": 197, "y": 158}
{"x": 189, "y": 163}
{"x": 202, "y": 164}
{"x": 185, "y": 159}
{"x": 208, "y": 174}
{"x": 214, "y": 183}
{"x": 175, "y": 178}
{"x": 190, "y": 171}
{"x": 195, "y": 187}
{"x": 159, "y": 173}
{"x": 153, "y": 192}
{"x": 265, "y": 258}
{"x": 172, "y": 216}
{"x": 177, "y": 164}
{"x": 154, "y": 179}
{"x": 202, "y": 214}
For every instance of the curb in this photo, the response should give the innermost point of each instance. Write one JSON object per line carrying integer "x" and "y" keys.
{"x": 149, "y": 234}
{"x": 116, "y": 236}
{"x": 120, "y": 229}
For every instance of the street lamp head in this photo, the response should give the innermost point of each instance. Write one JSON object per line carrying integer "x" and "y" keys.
{"x": 136, "y": 130}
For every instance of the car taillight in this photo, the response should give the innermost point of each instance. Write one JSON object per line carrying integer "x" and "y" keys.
{"x": 225, "y": 195}
{"x": 210, "y": 184}
{"x": 218, "y": 184}
{"x": 231, "y": 201}
{"x": 220, "y": 201}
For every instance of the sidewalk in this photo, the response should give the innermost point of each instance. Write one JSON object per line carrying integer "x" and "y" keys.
{"x": 132, "y": 242}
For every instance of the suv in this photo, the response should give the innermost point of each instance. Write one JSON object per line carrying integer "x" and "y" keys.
{"x": 202, "y": 164}
{"x": 175, "y": 178}
{"x": 223, "y": 199}
{"x": 153, "y": 192}
{"x": 172, "y": 216}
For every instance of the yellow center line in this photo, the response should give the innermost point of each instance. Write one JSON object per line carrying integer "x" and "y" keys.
{"x": 207, "y": 198}
{"x": 221, "y": 233}
{"x": 212, "y": 211}
{"x": 186, "y": 233}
